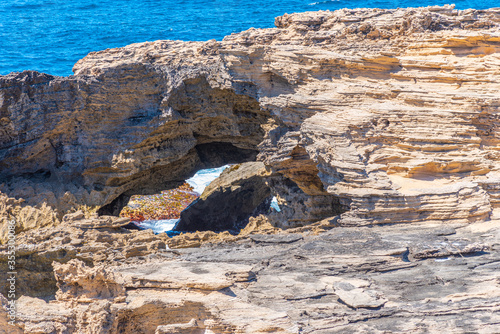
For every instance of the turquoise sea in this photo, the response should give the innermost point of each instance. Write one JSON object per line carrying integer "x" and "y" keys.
{"x": 51, "y": 35}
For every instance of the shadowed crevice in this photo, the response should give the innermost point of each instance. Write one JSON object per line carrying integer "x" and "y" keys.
{"x": 202, "y": 156}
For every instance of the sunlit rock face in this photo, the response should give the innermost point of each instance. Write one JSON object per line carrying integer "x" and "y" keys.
{"x": 385, "y": 115}
{"x": 98, "y": 145}
{"x": 357, "y": 117}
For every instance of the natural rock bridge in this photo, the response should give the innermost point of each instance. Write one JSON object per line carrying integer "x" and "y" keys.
{"x": 383, "y": 130}
{"x": 361, "y": 117}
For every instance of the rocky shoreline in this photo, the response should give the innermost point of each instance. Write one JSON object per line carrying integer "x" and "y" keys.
{"x": 378, "y": 132}
{"x": 401, "y": 278}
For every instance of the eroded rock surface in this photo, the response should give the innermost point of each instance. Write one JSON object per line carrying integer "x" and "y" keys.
{"x": 382, "y": 115}
{"x": 88, "y": 240}
{"x": 24, "y": 216}
{"x": 345, "y": 280}
{"x": 380, "y": 133}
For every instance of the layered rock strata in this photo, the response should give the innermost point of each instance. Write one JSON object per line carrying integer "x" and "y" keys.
{"x": 383, "y": 115}
{"x": 91, "y": 240}
{"x": 360, "y": 117}
{"x": 414, "y": 278}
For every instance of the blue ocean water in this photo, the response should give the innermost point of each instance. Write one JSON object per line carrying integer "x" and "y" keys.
{"x": 203, "y": 177}
{"x": 51, "y": 35}
{"x": 199, "y": 182}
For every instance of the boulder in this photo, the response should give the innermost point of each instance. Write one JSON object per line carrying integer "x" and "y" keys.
{"x": 229, "y": 201}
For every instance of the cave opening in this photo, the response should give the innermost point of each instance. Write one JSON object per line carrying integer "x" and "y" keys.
{"x": 160, "y": 212}
{"x": 234, "y": 194}
{"x": 245, "y": 188}
{"x": 170, "y": 176}
{"x": 157, "y": 198}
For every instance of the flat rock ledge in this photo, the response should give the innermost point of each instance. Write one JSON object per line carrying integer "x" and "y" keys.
{"x": 387, "y": 279}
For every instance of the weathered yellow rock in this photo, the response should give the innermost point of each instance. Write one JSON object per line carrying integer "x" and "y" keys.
{"x": 340, "y": 106}
{"x": 24, "y": 217}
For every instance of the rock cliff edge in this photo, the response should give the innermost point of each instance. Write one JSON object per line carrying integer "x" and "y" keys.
{"x": 360, "y": 117}
{"x": 386, "y": 115}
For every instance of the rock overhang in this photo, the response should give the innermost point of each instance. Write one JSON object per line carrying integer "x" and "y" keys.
{"x": 428, "y": 151}
{"x": 335, "y": 102}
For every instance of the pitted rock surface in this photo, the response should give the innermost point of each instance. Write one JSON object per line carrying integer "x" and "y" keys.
{"x": 383, "y": 116}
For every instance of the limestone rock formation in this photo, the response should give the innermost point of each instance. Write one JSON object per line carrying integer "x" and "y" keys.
{"x": 77, "y": 238}
{"x": 26, "y": 217}
{"x": 380, "y": 133}
{"x": 52, "y": 125}
{"x": 382, "y": 115}
{"x": 400, "y": 278}
{"x": 229, "y": 201}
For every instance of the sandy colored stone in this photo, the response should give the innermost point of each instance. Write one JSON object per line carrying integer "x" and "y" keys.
{"x": 26, "y": 217}
{"x": 357, "y": 297}
{"x": 5, "y": 326}
{"x": 347, "y": 279}
{"x": 380, "y": 134}
{"x": 378, "y": 115}
{"x": 76, "y": 281}
{"x": 36, "y": 250}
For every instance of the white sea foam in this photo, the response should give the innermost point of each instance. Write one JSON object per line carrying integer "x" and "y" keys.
{"x": 322, "y": 2}
{"x": 158, "y": 226}
{"x": 274, "y": 204}
{"x": 203, "y": 177}
{"x": 199, "y": 182}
